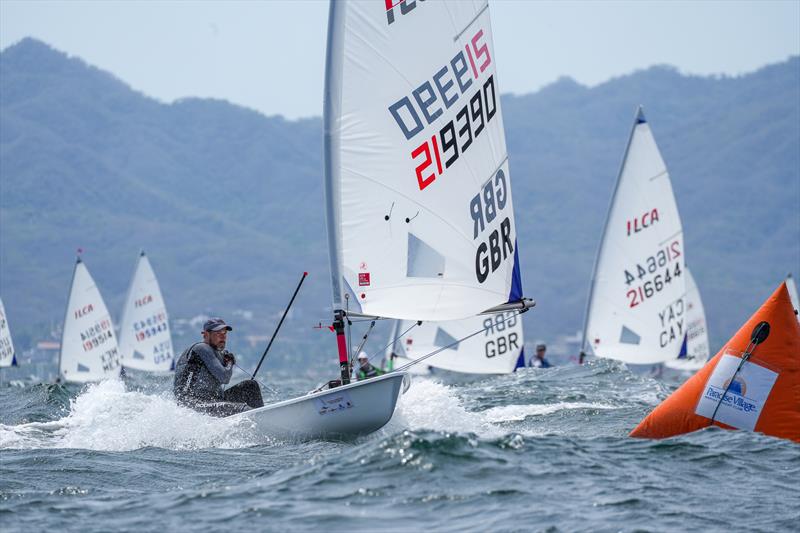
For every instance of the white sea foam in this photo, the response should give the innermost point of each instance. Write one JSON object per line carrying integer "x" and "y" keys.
{"x": 433, "y": 406}
{"x": 517, "y": 413}
{"x": 430, "y": 405}
{"x": 107, "y": 417}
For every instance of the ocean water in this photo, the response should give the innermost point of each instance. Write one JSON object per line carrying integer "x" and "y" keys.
{"x": 539, "y": 450}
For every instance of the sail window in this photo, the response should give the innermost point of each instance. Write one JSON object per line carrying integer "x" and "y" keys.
{"x": 628, "y": 336}
{"x": 423, "y": 260}
{"x": 445, "y": 339}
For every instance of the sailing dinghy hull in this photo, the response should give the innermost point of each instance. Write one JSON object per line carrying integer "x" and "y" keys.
{"x": 343, "y": 413}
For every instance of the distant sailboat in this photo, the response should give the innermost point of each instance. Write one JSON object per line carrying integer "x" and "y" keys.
{"x": 145, "y": 341}
{"x": 7, "y": 355}
{"x": 496, "y": 349}
{"x": 635, "y": 311}
{"x": 696, "y": 348}
{"x": 792, "y": 288}
{"x": 89, "y": 349}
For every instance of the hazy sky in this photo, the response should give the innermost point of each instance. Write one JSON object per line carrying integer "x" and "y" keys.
{"x": 269, "y": 55}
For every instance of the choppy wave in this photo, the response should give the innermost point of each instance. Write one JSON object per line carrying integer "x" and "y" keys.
{"x": 516, "y": 413}
{"x": 535, "y": 450}
{"x": 108, "y": 417}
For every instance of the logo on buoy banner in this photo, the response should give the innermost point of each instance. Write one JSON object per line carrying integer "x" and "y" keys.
{"x": 746, "y": 392}
{"x": 363, "y": 279}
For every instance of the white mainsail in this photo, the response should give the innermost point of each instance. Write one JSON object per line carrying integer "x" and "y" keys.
{"x": 89, "y": 349}
{"x": 636, "y": 310}
{"x": 418, "y": 190}
{"x": 792, "y": 288}
{"x": 145, "y": 341}
{"x": 496, "y": 349}
{"x": 697, "y": 348}
{"x": 7, "y": 356}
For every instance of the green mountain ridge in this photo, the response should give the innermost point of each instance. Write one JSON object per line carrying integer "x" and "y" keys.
{"x": 228, "y": 203}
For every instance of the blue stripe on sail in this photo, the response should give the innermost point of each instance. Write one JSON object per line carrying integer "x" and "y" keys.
{"x": 684, "y": 350}
{"x": 516, "y": 278}
{"x": 520, "y": 360}
{"x": 640, "y": 116}
{"x": 14, "y": 360}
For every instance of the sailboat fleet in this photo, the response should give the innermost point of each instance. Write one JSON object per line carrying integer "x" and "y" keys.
{"x": 421, "y": 230}
{"x": 89, "y": 347}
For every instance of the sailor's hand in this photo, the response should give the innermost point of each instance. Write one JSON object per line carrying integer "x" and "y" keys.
{"x": 228, "y": 358}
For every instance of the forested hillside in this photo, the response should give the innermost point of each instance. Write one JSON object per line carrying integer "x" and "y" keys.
{"x": 228, "y": 203}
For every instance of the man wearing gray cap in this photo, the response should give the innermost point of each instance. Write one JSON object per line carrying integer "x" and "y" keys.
{"x": 202, "y": 370}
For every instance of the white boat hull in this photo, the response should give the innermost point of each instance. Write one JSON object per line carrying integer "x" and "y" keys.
{"x": 342, "y": 413}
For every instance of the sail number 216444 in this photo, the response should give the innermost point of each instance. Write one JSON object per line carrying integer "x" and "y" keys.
{"x": 658, "y": 272}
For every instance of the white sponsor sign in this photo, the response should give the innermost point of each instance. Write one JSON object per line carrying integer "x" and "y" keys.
{"x": 334, "y": 402}
{"x": 746, "y": 395}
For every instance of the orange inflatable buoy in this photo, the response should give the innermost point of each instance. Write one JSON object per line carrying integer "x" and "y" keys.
{"x": 753, "y": 383}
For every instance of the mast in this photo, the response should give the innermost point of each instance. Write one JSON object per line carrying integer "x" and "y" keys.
{"x": 638, "y": 120}
{"x": 332, "y": 106}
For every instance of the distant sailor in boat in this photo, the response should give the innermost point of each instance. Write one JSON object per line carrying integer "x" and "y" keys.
{"x": 538, "y": 360}
{"x": 365, "y": 369}
{"x": 202, "y": 370}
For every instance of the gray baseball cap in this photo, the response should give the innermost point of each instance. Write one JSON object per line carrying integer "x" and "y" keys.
{"x": 216, "y": 324}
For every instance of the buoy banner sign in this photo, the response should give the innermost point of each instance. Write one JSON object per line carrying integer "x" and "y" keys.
{"x": 746, "y": 396}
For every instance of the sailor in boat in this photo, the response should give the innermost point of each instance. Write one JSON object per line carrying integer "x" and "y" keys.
{"x": 365, "y": 368}
{"x": 539, "y": 360}
{"x": 202, "y": 370}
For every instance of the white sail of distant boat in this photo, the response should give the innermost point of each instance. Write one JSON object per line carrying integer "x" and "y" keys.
{"x": 7, "y": 355}
{"x": 89, "y": 350}
{"x": 792, "y": 288}
{"x": 496, "y": 349}
{"x": 145, "y": 341}
{"x": 635, "y": 311}
{"x": 417, "y": 189}
{"x": 696, "y": 349}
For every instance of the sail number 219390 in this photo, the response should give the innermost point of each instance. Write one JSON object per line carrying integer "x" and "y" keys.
{"x": 466, "y": 84}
